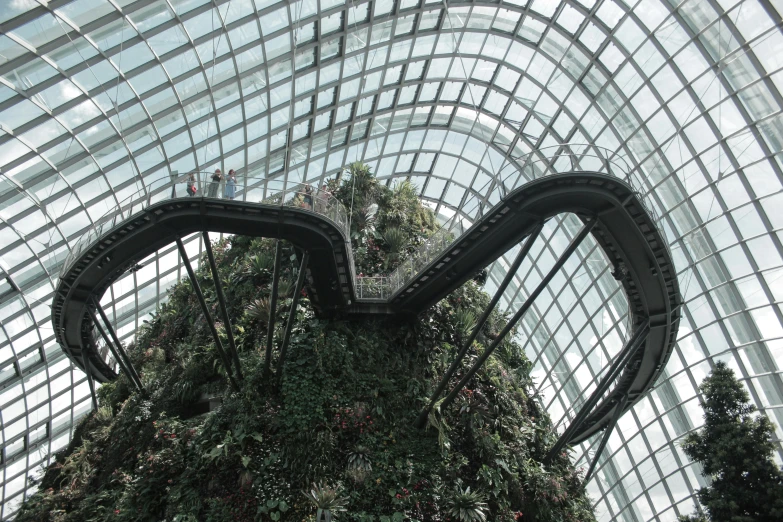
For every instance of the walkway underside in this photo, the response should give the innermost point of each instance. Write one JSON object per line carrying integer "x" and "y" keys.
{"x": 623, "y": 229}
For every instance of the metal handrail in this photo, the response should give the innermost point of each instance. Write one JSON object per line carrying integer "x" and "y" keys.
{"x": 253, "y": 190}
{"x": 541, "y": 163}
{"x": 547, "y": 161}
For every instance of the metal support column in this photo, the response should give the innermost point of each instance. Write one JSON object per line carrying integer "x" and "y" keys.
{"x": 207, "y": 315}
{"x": 90, "y": 382}
{"x": 117, "y": 357}
{"x": 222, "y": 301}
{"x": 588, "y": 226}
{"x": 620, "y": 362}
{"x": 134, "y": 376}
{"x": 270, "y": 334}
{"x": 512, "y": 270}
{"x": 292, "y": 312}
{"x": 607, "y": 433}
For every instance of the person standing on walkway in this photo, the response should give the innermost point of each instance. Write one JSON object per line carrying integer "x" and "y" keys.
{"x": 231, "y": 185}
{"x": 191, "y": 185}
{"x": 217, "y": 177}
{"x": 308, "y": 197}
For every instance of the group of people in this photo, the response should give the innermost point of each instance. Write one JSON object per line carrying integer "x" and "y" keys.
{"x": 230, "y": 187}
{"x": 229, "y": 190}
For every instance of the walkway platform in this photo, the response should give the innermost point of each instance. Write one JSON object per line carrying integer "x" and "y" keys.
{"x": 620, "y": 224}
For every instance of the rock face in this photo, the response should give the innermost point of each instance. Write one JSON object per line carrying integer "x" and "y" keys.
{"x": 332, "y": 436}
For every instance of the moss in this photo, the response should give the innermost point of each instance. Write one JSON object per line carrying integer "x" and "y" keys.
{"x": 340, "y": 415}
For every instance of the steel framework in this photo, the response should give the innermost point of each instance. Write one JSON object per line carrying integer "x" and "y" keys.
{"x": 688, "y": 92}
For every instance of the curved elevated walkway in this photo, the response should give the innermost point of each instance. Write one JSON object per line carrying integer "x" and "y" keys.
{"x": 623, "y": 228}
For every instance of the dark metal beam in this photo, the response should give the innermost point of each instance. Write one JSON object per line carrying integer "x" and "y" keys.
{"x": 292, "y": 312}
{"x": 620, "y": 362}
{"x": 270, "y": 334}
{"x": 605, "y": 438}
{"x": 207, "y": 315}
{"x": 120, "y": 350}
{"x": 117, "y": 356}
{"x": 588, "y": 226}
{"x": 90, "y": 382}
{"x": 512, "y": 270}
{"x": 222, "y": 301}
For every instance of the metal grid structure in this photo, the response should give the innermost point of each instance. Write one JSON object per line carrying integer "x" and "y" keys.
{"x": 98, "y": 97}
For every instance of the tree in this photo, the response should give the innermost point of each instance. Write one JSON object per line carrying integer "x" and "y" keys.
{"x": 735, "y": 450}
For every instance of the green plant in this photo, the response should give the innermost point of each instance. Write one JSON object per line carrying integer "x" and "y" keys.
{"x": 395, "y": 239}
{"x": 735, "y": 451}
{"x": 78, "y": 469}
{"x": 359, "y": 458}
{"x": 359, "y": 464}
{"x": 311, "y": 454}
{"x": 465, "y": 321}
{"x": 465, "y": 505}
{"x": 285, "y": 287}
{"x": 257, "y": 312}
{"x": 327, "y": 500}
{"x": 274, "y": 508}
{"x": 364, "y": 217}
{"x": 259, "y": 265}
{"x": 362, "y": 183}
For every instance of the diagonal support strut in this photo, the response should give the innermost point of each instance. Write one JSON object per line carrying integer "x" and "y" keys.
{"x": 512, "y": 270}
{"x": 618, "y": 365}
{"x": 90, "y": 381}
{"x": 588, "y": 226}
{"x": 605, "y": 438}
{"x": 270, "y": 334}
{"x": 292, "y": 312}
{"x": 232, "y": 347}
{"x": 118, "y": 352}
{"x": 207, "y": 315}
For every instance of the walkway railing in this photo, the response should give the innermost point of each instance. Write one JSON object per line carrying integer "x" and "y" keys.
{"x": 574, "y": 158}
{"x": 545, "y": 162}
{"x": 200, "y": 185}
{"x": 371, "y": 288}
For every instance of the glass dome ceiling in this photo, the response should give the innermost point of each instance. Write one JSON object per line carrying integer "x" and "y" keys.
{"x": 98, "y": 98}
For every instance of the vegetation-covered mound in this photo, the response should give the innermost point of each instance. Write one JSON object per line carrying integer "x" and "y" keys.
{"x": 333, "y": 435}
